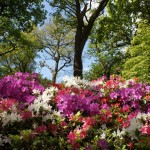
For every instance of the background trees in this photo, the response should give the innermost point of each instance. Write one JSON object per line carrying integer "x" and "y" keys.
{"x": 111, "y": 25}
{"x": 112, "y": 34}
{"x": 138, "y": 64}
{"x": 22, "y": 58}
{"x": 17, "y": 16}
{"x": 57, "y": 44}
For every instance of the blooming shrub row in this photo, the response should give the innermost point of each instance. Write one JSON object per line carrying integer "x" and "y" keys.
{"x": 78, "y": 115}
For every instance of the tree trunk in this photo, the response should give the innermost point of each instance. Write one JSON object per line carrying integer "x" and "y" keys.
{"x": 55, "y": 72}
{"x": 78, "y": 67}
{"x": 79, "y": 45}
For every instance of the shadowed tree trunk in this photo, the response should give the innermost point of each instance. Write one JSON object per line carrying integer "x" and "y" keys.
{"x": 83, "y": 32}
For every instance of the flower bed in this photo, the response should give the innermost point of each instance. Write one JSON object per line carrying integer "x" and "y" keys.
{"x": 102, "y": 114}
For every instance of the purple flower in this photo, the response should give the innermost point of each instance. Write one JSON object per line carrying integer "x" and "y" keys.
{"x": 88, "y": 147}
{"x": 103, "y": 144}
{"x": 147, "y": 89}
{"x": 70, "y": 104}
{"x": 20, "y": 87}
{"x": 113, "y": 95}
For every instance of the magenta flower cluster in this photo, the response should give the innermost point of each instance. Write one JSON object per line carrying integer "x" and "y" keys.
{"x": 20, "y": 87}
{"x": 82, "y": 100}
{"x": 133, "y": 96}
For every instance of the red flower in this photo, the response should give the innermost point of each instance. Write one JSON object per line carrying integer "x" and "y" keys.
{"x": 89, "y": 121}
{"x": 82, "y": 134}
{"x": 145, "y": 129}
{"x": 26, "y": 115}
{"x": 130, "y": 145}
{"x": 72, "y": 137}
{"x": 147, "y": 97}
{"x": 120, "y": 120}
{"x": 41, "y": 129}
{"x": 63, "y": 123}
{"x": 7, "y": 104}
{"x": 52, "y": 127}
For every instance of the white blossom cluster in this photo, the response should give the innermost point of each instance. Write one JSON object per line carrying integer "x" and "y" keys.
{"x": 4, "y": 139}
{"x": 42, "y": 101}
{"x": 136, "y": 124}
{"x": 119, "y": 133}
{"x": 75, "y": 82}
{"x": 9, "y": 117}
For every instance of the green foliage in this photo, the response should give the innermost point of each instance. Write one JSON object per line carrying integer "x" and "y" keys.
{"x": 17, "y": 16}
{"x": 111, "y": 35}
{"x": 21, "y": 57}
{"x": 138, "y": 65}
{"x": 21, "y": 14}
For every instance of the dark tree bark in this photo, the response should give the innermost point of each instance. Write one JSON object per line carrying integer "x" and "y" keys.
{"x": 83, "y": 32}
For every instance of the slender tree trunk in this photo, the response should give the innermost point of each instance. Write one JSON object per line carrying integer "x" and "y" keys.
{"x": 55, "y": 72}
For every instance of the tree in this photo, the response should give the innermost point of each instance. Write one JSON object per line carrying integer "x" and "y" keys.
{"x": 22, "y": 59}
{"x": 108, "y": 62}
{"x": 57, "y": 42}
{"x": 138, "y": 65}
{"x": 17, "y": 16}
{"x": 76, "y": 12}
{"x": 112, "y": 33}
{"x": 24, "y": 14}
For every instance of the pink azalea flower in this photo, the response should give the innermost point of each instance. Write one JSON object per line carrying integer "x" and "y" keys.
{"x": 6, "y": 104}
{"x": 83, "y": 134}
{"x": 72, "y": 137}
{"x": 145, "y": 130}
{"x": 52, "y": 127}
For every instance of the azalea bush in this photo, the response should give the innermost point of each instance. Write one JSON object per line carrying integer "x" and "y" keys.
{"x": 20, "y": 87}
{"x": 78, "y": 115}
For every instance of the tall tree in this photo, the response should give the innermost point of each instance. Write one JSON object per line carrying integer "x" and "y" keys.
{"x": 57, "y": 42}
{"x": 76, "y": 12}
{"x": 138, "y": 65}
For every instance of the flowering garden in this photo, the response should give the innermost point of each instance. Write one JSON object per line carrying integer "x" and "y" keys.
{"x": 75, "y": 115}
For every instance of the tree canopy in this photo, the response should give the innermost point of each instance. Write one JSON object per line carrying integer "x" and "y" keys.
{"x": 24, "y": 14}
{"x": 138, "y": 65}
{"x": 23, "y": 54}
{"x": 112, "y": 34}
{"x": 17, "y": 16}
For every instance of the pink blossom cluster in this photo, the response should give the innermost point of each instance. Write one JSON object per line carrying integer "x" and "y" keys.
{"x": 20, "y": 87}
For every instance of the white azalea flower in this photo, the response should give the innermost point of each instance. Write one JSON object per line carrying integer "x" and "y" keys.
{"x": 76, "y": 82}
{"x": 36, "y": 92}
{"x": 143, "y": 116}
{"x": 4, "y": 139}
{"x": 103, "y": 136}
{"x": 8, "y": 118}
{"x": 103, "y": 126}
{"x": 46, "y": 117}
{"x": 135, "y": 124}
